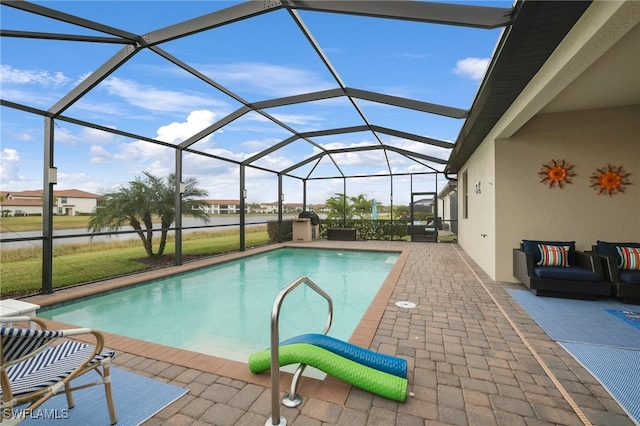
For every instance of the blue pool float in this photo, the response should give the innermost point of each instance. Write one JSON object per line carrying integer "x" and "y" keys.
{"x": 381, "y": 362}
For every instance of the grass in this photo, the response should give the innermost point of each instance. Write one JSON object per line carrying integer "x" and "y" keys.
{"x": 34, "y": 223}
{"x": 76, "y": 263}
{"x": 21, "y": 269}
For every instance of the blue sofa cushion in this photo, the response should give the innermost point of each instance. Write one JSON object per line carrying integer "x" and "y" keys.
{"x": 531, "y": 246}
{"x": 610, "y": 249}
{"x": 572, "y": 273}
{"x": 630, "y": 276}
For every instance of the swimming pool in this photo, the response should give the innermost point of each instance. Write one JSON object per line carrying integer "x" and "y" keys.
{"x": 225, "y": 310}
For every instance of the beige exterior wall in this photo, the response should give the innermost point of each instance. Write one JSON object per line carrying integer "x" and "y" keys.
{"x": 528, "y": 209}
{"x": 77, "y": 205}
{"x": 476, "y": 232}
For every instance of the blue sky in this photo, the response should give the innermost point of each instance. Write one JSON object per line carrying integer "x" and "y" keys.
{"x": 258, "y": 59}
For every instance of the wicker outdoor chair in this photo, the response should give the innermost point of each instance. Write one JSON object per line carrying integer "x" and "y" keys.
{"x": 37, "y": 364}
{"x": 557, "y": 269}
{"x": 624, "y": 276}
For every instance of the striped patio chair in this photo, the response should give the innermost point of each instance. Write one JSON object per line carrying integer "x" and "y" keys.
{"x": 37, "y": 364}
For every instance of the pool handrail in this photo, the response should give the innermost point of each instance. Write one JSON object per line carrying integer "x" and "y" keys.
{"x": 275, "y": 346}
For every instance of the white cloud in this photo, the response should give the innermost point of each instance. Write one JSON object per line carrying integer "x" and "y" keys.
{"x": 178, "y": 132}
{"x": 96, "y": 136}
{"x": 83, "y": 77}
{"x": 9, "y": 166}
{"x": 63, "y": 135}
{"x": 154, "y": 158}
{"x": 103, "y": 109}
{"x": 24, "y": 136}
{"x": 473, "y": 68}
{"x": 258, "y": 145}
{"x": 30, "y": 96}
{"x": 151, "y": 98}
{"x": 99, "y": 155}
{"x": 267, "y": 79}
{"x": 9, "y": 74}
{"x": 299, "y": 119}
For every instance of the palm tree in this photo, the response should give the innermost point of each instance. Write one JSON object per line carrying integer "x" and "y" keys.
{"x": 143, "y": 200}
{"x": 339, "y": 207}
{"x": 361, "y": 205}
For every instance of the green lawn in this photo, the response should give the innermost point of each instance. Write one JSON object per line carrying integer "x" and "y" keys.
{"x": 21, "y": 269}
{"x": 34, "y": 223}
{"x": 81, "y": 263}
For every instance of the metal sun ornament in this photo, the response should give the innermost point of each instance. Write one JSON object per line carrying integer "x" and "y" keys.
{"x": 609, "y": 180}
{"x": 556, "y": 173}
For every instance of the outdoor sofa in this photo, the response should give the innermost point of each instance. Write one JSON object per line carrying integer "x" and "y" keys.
{"x": 557, "y": 269}
{"x": 621, "y": 266}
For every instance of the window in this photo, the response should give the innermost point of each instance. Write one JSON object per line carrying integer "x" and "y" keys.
{"x": 465, "y": 197}
{"x": 63, "y": 200}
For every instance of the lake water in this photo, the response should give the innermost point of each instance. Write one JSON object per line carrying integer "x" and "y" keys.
{"x": 225, "y": 222}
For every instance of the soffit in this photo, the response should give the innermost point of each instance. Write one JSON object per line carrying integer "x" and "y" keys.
{"x": 538, "y": 29}
{"x": 612, "y": 80}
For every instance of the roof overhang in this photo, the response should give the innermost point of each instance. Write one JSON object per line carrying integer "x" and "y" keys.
{"x": 538, "y": 28}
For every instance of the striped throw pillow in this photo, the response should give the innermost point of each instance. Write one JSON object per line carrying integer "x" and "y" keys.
{"x": 629, "y": 257}
{"x": 553, "y": 255}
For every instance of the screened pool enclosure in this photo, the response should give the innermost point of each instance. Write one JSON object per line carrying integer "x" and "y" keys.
{"x": 266, "y": 99}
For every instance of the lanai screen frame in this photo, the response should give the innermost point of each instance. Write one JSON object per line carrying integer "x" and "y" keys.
{"x": 425, "y": 12}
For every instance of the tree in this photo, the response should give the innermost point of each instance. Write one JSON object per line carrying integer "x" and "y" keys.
{"x": 400, "y": 211}
{"x": 361, "y": 206}
{"x": 353, "y": 206}
{"x": 339, "y": 207}
{"x": 143, "y": 200}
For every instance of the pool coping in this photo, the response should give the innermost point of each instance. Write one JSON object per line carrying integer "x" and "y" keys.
{"x": 329, "y": 389}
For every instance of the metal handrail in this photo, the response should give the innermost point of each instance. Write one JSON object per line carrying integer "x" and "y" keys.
{"x": 275, "y": 344}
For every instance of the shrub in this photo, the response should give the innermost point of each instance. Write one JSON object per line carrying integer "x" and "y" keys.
{"x": 287, "y": 230}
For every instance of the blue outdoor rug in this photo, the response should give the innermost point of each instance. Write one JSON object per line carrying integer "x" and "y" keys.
{"x": 602, "y": 335}
{"x": 136, "y": 398}
{"x": 616, "y": 369}
{"x": 581, "y": 321}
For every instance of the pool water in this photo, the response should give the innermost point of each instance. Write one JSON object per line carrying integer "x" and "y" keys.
{"x": 225, "y": 310}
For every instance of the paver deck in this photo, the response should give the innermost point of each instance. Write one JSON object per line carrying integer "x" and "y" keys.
{"x": 474, "y": 358}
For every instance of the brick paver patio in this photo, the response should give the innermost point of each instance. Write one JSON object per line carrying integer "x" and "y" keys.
{"x": 475, "y": 358}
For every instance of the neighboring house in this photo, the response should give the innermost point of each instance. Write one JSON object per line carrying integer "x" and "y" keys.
{"x": 423, "y": 206}
{"x": 292, "y": 208}
{"x": 71, "y": 202}
{"x": 67, "y": 202}
{"x": 223, "y": 206}
{"x": 24, "y": 203}
{"x": 318, "y": 208}
{"x": 272, "y": 208}
{"x": 269, "y": 208}
{"x": 581, "y": 106}
{"x": 448, "y": 209}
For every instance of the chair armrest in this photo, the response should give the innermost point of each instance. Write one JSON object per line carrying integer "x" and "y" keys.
{"x": 24, "y": 318}
{"x": 609, "y": 266}
{"x": 522, "y": 265}
{"x": 589, "y": 261}
{"x": 50, "y": 337}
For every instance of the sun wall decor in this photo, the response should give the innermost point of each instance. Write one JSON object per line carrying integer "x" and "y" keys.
{"x": 609, "y": 180}
{"x": 556, "y": 173}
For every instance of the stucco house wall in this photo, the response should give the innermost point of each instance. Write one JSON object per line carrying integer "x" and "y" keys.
{"x": 66, "y": 202}
{"x": 476, "y": 228}
{"x": 588, "y": 140}
{"x": 562, "y": 114}
{"x": 71, "y": 206}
